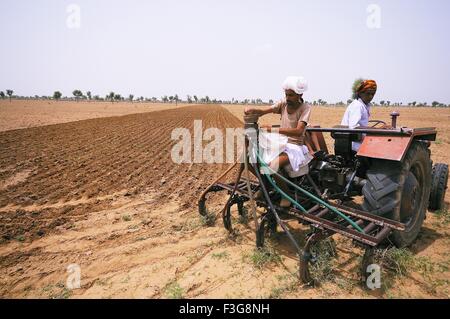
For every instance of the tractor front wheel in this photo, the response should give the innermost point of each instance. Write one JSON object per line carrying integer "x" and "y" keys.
{"x": 438, "y": 186}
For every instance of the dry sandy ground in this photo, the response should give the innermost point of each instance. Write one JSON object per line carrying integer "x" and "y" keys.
{"x": 103, "y": 194}
{"x": 22, "y": 114}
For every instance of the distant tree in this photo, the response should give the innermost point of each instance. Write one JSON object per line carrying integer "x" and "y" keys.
{"x": 388, "y": 103}
{"x": 111, "y": 96}
{"x": 165, "y": 99}
{"x": 96, "y": 98}
{"x": 77, "y": 94}
{"x": 195, "y": 98}
{"x": 9, "y": 93}
{"x": 382, "y": 103}
{"x": 2, "y": 95}
{"x": 131, "y": 97}
{"x": 435, "y": 103}
{"x": 57, "y": 95}
{"x": 88, "y": 93}
{"x": 207, "y": 100}
{"x": 270, "y": 101}
{"x": 189, "y": 99}
{"x": 349, "y": 101}
{"x": 176, "y": 99}
{"x": 117, "y": 97}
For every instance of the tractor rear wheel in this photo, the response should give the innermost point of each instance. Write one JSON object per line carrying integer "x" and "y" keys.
{"x": 438, "y": 186}
{"x": 400, "y": 191}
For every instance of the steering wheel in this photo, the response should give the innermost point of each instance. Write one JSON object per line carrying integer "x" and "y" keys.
{"x": 376, "y": 123}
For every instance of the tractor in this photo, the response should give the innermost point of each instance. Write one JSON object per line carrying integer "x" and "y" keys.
{"x": 392, "y": 171}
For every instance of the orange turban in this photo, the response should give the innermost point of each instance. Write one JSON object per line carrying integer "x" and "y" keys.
{"x": 367, "y": 85}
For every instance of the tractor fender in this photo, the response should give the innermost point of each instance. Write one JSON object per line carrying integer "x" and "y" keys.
{"x": 385, "y": 147}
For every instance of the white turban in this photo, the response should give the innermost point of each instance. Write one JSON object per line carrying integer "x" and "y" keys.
{"x": 297, "y": 84}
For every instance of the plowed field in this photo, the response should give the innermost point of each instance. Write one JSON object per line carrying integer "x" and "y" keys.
{"x": 104, "y": 194}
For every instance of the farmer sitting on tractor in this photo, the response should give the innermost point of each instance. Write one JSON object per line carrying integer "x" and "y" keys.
{"x": 295, "y": 115}
{"x": 358, "y": 112}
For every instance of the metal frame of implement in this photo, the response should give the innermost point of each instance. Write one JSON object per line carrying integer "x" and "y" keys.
{"x": 323, "y": 222}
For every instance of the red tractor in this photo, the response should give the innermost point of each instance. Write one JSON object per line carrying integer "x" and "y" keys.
{"x": 392, "y": 171}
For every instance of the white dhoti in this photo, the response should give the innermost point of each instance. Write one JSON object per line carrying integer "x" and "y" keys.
{"x": 271, "y": 145}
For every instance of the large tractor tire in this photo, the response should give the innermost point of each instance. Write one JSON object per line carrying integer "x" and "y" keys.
{"x": 438, "y": 186}
{"x": 400, "y": 191}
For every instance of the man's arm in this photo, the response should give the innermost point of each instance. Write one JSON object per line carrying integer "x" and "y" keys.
{"x": 298, "y": 131}
{"x": 259, "y": 112}
{"x": 290, "y": 132}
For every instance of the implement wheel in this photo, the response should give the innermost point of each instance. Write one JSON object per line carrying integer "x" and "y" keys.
{"x": 316, "y": 259}
{"x": 267, "y": 227}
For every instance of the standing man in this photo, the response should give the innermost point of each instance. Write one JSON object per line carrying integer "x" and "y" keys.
{"x": 358, "y": 112}
{"x": 295, "y": 115}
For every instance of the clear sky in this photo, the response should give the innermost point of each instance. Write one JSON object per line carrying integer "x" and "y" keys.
{"x": 225, "y": 49}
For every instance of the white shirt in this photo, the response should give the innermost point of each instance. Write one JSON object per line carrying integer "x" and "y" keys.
{"x": 357, "y": 114}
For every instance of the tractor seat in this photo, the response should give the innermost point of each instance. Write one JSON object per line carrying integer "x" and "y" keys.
{"x": 349, "y": 137}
